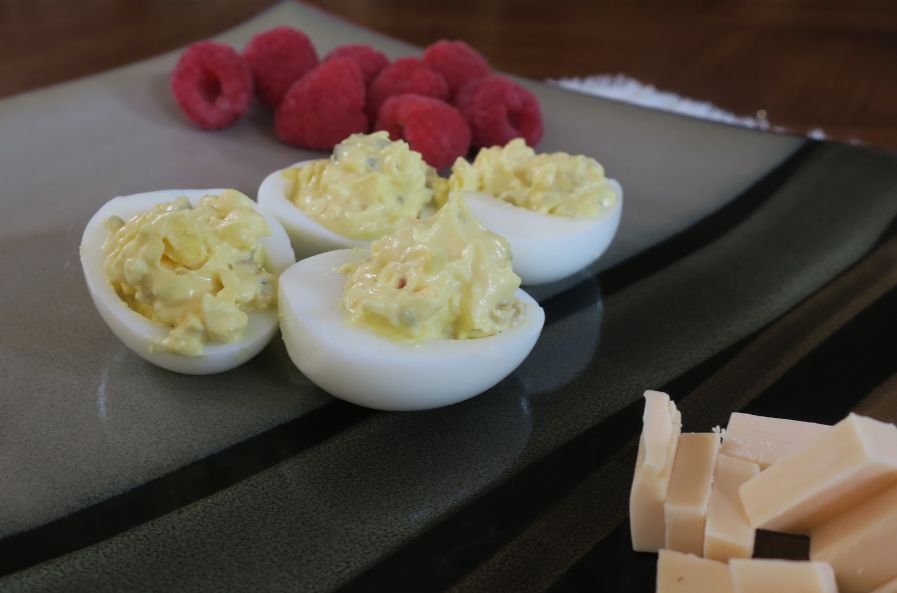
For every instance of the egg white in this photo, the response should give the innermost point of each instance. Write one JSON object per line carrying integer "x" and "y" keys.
{"x": 307, "y": 236}
{"x": 139, "y": 333}
{"x": 547, "y": 247}
{"x": 370, "y": 370}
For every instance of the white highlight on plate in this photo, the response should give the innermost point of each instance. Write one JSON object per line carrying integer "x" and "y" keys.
{"x": 629, "y": 90}
{"x": 623, "y": 88}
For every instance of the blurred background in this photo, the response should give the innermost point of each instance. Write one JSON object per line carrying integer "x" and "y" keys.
{"x": 802, "y": 65}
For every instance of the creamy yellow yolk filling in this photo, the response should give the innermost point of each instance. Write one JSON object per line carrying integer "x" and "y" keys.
{"x": 555, "y": 183}
{"x": 197, "y": 271}
{"x": 445, "y": 276}
{"x": 368, "y": 185}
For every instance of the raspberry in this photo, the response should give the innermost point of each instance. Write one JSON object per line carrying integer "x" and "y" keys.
{"x": 430, "y": 126}
{"x": 211, "y": 84}
{"x": 368, "y": 59}
{"x": 499, "y": 110}
{"x": 323, "y": 107}
{"x": 277, "y": 59}
{"x": 405, "y": 75}
{"x": 457, "y": 62}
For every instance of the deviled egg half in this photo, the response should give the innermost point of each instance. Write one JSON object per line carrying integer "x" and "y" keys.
{"x": 558, "y": 212}
{"x": 367, "y": 186}
{"x": 430, "y": 316}
{"x": 186, "y": 278}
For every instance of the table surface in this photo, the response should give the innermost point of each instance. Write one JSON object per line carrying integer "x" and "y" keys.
{"x": 804, "y": 64}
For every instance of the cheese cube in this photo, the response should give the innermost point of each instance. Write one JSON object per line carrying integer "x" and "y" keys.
{"x": 766, "y": 441}
{"x": 861, "y": 544}
{"x": 685, "y": 509}
{"x": 890, "y": 587}
{"x": 728, "y": 533}
{"x": 781, "y": 576}
{"x": 686, "y": 573}
{"x": 662, "y": 424}
{"x": 848, "y": 463}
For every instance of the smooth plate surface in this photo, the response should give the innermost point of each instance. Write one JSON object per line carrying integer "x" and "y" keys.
{"x": 83, "y": 419}
{"x": 86, "y": 418}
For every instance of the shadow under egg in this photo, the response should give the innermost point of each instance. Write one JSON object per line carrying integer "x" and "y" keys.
{"x": 458, "y": 452}
{"x": 569, "y": 338}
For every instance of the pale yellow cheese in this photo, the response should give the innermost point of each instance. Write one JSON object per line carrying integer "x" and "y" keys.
{"x": 781, "y": 576}
{"x": 728, "y": 533}
{"x": 685, "y": 509}
{"x": 861, "y": 544}
{"x": 766, "y": 441}
{"x": 686, "y": 573}
{"x": 852, "y": 461}
{"x": 662, "y": 424}
{"x": 889, "y": 587}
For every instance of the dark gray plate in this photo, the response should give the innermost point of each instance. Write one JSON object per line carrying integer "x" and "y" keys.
{"x": 116, "y": 475}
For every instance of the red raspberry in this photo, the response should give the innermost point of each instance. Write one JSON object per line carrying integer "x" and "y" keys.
{"x": 432, "y": 127}
{"x": 368, "y": 59}
{"x": 211, "y": 85}
{"x": 499, "y": 110}
{"x": 457, "y": 62}
{"x": 405, "y": 75}
{"x": 323, "y": 107}
{"x": 277, "y": 59}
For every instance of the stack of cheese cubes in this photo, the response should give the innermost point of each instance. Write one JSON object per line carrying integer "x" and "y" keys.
{"x": 698, "y": 498}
